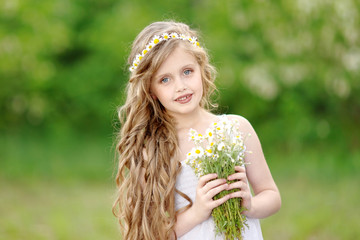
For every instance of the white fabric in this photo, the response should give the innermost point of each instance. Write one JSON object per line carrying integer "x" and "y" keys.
{"x": 187, "y": 183}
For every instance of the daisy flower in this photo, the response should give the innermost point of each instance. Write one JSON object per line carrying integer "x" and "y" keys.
{"x": 221, "y": 146}
{"x": 209, "y": 151}
{"x": 209, "y": 133}
{"x": 174, "y": 35}
{"x": 198, "y": 152}
{"x": 165, "y": 36}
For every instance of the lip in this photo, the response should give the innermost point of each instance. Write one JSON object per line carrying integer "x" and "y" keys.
{"x": 185, "y": 98}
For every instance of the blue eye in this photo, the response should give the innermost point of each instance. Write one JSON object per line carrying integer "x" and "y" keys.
{"x": 187, "y": 72}
{"x": 165, "y": 80}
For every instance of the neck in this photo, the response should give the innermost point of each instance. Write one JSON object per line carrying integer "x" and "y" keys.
{"x": 191, "y": 120}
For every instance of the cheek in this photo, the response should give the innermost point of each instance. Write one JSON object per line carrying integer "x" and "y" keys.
{"x": 160, "y": 96}
{"x": 198, "y": 84}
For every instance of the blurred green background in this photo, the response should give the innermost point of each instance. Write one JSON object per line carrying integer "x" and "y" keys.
{"x": 290, "y": 67}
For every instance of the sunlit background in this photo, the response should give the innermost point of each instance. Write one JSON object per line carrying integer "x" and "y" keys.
{"x": 292, "y": 68}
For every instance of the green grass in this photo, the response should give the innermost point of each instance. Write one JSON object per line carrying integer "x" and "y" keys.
{"x": 320, "y": 196}
{"x": 44, "y": 210}
{"x": 62, "y": 188}
{"x": 316, "y": 210}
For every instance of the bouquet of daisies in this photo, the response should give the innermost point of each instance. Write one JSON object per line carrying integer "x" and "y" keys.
{"x": 219, "y": 151}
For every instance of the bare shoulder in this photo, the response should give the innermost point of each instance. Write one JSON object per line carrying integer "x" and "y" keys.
{"x": 244, "y": 124}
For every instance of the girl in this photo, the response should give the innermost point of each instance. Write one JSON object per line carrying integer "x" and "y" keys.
{"x": 159, "y": 197}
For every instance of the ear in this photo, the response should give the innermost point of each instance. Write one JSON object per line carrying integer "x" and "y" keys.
{"x": 153, "y": 96}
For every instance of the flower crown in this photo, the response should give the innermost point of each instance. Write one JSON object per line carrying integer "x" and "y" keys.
{"x": 156, "y": 40}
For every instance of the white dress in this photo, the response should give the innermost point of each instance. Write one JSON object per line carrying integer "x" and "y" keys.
{"x": 187, "y": 182}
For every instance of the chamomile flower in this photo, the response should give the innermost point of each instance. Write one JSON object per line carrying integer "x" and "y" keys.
{"x": 189, "y": 157}
{"x": 165, "y": 36}
{"x": 192, "y": 134}
{"x": 198, "y": 152}
{"x": 174, "y": 35}
{"x": 159, "y": 38}
{"x": 209, "y": 134}
{"x": 218, "y": 128}
{"x": 156, "y": 39}
{"x": 150, "y": 46}
{"x": 198, "y": 138}
{"x": 192, "y": 40}
{"x": 209, "y": 151}
{"x": 221, "y": 146}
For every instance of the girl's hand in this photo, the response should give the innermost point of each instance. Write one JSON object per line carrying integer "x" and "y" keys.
{"x": 242, "y": 185}
{"x": 208, "y": 187}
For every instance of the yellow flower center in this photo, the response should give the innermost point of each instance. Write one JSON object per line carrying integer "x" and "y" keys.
{"x": 209, "y": 150}
{"x": 197, "y": 151}
{"x": 156, "y": 41}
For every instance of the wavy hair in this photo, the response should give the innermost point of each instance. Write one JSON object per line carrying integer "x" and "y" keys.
{"x": 147, "y": 144}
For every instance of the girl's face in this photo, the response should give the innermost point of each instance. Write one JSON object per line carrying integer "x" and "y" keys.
{"x": 177, "y": 84}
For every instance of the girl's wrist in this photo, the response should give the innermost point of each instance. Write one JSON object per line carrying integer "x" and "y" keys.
{"x": 198, "y": 217}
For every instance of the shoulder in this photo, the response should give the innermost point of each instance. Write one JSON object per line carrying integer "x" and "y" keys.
{"x": 244, "y": 124}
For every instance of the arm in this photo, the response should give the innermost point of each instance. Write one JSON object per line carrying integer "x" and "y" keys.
{"x": 207, "y": 188}
{"x": 266, "y": 200}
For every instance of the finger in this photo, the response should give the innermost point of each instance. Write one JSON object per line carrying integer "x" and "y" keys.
{"x": 238, "y": 194}
{"x": 212, "y": 184}
{"x": 212, "y": 192}
{"x": 238, "y": 185}
{"x": 240, "y": 169}
{"x": 239, "y": 176}
{"x": 219, "y": 201}
{"x": 204, "y": 179}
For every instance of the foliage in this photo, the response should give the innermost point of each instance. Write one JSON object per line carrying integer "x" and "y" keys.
{"x": 293, "y": 63}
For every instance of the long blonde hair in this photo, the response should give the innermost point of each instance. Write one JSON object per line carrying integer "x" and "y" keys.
{"x": 147, "y": 142}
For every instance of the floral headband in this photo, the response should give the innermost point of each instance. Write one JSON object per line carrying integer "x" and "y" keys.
{"x": 156, "y": 40}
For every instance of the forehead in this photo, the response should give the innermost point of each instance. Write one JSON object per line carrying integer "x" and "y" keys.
{"x": 176, "y": 60}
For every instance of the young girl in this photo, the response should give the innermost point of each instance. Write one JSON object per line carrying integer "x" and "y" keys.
{"x": 159, "y": 197}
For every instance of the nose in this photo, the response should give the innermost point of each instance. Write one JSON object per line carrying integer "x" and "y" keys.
{"x": 180, "y": 85}
{"x": 181, "y": 89}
